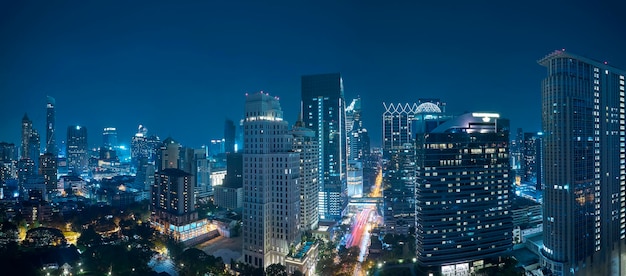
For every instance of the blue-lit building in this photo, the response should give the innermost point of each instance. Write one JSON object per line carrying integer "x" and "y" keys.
{"x": 77, "y": 155}
{"x": 51, "y": 146}
{"x": 400, "y": 123}
{"x": 584, "y": 218}
{"x": 462, "y": 194}
{"x": 323, "y": 109}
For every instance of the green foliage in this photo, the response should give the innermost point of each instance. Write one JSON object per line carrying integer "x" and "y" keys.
{"x": 276, "y": 270}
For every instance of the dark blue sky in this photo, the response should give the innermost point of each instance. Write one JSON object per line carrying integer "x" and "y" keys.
{"x": 181, "y": 69}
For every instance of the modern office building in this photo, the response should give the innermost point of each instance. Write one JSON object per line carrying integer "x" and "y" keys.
{"x": 400, "y": 123}
{"x": 202, "y": 169}
{"x": 584, "y": 218}
{"x": 143, "y": 147}
{"x": 305, "y": 143}
{"x": 271, "y": 171}
{"x": 323, "y": 108}
{"x": 8, "y": 163}
{"x": 531, "y": 165}
{"x": 25, "y": 170}
{"x": 27, "y": 130}
{"x": 173, "y": 208}
{"x": 462, "y": 194}
{"x": 230, "y": 194}
{"x": 48, "y": 169}
{"x": 51, "y": 145}
{"x": 398, "y": 189}
{"x": 34, "y": 146}
{"x": 109, "y": 138}
{"x": 229, "y": 136}
{"x": 399, "y": 120}
{"x": 31, "y": 143}
{"x": 77, "y": 151}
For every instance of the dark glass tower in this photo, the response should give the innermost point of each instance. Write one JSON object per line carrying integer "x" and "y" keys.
{"x": 584, "y": 155}
{"x": 51, "y": 146}
{"x": 323, "y": 108}
{"x": 462, "y": 194}
{"x": 229, "y": 136}
{"x": 77, "y": 151}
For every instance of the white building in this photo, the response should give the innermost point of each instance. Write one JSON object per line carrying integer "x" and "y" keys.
{"x": 271, "y": 211}
{"x": 305, "y": 143}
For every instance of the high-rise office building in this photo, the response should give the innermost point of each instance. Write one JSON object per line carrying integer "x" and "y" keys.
{"x": 109, "y": 138}
{"x": 77, "y": 155}
{"x": 27, "y": 130}
{"x": 48, "y": 169}
{"x": 8, "y": 163}
{"x": 230, "y": 194}
{"x": 202, "y": 169}
{"x": 400, "y": 123}
{"x": 323, "y": 108}
{"x": 173, "y": 207}
{"x": 34, "y": 146}
{"x": 399, "y": 190}
{"x": 51, "y": 145}
{"x": 271, "y": 204}
{"x": 305, "y": 143}
{"x": 462, "y": 194}
{"x": 25, "y": 170}
{"x": 229, "y": 136}
{"x": 584, "y": 218}
{"x": 531, "y": 165}
{"x": 30, "y": 141}
{"x": 143, "y": 147}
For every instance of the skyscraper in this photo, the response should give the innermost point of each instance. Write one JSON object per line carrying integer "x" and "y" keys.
{"x": 271, "y": 204}
{"x": 399, "y": 120}
{"x": 532, "y": 166}
{"x": 323, "y": 107}
{"x": 143, "y": 147}
{"x": 77, "y": 155}
{"x": 305, "y": 143}
{"x": 27, "y": 130}
{"x": 462, "y": 194}
{"x": 400, "y": 123}
{"x": 229, "y": 136}
{"x": 585, "y": 179}
{"x": 48, "y": 169}
{"x": 51, "y": 145}
{"x": 109, "y": 138}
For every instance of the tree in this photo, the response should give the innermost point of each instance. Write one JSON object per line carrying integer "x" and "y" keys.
{"x": 297, "y": 273}
{"x": 276, "y": 270}
{"x": 88, "y": 238}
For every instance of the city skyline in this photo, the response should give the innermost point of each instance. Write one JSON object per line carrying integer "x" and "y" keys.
{"x": 114, "y": 65}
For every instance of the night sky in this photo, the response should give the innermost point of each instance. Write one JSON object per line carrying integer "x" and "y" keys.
{"x": 182, "y": 69}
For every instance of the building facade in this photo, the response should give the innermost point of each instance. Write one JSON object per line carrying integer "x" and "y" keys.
{"x": 51, "y": 145}
{"x": 462, "y": 194}
{"x": 585, "y": 179}
{"x": 305, "y": 143}
{"x": 77, "y": 151}
{"x": 323, "y": 108}
{"x": 271, "y": 171}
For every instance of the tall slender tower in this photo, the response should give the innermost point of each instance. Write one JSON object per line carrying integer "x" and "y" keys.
{"x": 305, "y": 143}
{"x": 584, "y": 219}
{"x": 27, "y": 130}
{"x": 323, "y": 106}
{"x": 51, "y": 146}
{"x": 271, "y": 203}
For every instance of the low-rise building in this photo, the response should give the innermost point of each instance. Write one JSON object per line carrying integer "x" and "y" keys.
{"x": 303, "y": 258}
